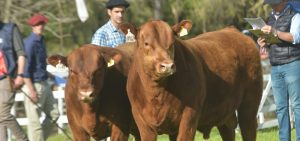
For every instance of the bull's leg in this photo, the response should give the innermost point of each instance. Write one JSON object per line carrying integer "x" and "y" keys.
{"x": 248, "y": 124}
{"x": 227, "y": 133}
{"x": 118, "y": 135}
{"x": 247, "y": 110}
{"x": 173, "y": 137}
{"x": 247, "y": 114}
{"x": 78, "y": 133}
{"x": 137, "y": 137}
{"x": 135, "y": 132}
{"x": 188, "y": 125}
{"x": 147, "y": 133}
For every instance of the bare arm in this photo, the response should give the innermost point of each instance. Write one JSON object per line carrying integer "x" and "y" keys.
{"x": 19, "y": 49}
{"x": 286, "y": 36}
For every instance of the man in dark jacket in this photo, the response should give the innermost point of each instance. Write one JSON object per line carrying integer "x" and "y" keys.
{"x": 11, "y": 66}
{"x": 284, "y": 23}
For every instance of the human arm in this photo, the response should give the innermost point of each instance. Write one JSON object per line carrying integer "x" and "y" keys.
{"x": 19, "y": 49}
{"x": 32, "y": 91}
{"x": 262, "y": 48}
{"x": 286, "y": 36}
{"x": 293, "y": 36}
{"x": 295, "y": 28}
{"x": 27, "y": 74}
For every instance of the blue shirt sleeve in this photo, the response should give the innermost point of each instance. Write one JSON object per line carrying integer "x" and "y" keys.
{"x": 29, "y": 52}
{"x": 99, "y": 38}
{"x": 295, "y": 28}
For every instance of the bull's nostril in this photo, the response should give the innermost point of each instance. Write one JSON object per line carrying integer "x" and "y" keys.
{"x": 91, "y": 95}
{"x": 173, "y": 67}
{"x": 166, "y": 67}
{"x": 163, "y": 67}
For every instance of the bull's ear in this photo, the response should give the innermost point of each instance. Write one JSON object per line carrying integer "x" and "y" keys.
{"x": 114, "y": 60}
{"x": 56, "y": 59}
{"x": 111, "y": 56}
{"x": 125, "y": 26}
{"x": 182, "y": 28}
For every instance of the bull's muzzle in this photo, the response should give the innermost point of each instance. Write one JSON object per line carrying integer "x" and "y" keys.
{"x": 166, "y": 69}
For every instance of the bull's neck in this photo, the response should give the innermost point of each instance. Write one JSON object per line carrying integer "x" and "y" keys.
{"x": 127, "y": 50}
{"x": 89, "y": 108}
{"x": 154, "y": 89}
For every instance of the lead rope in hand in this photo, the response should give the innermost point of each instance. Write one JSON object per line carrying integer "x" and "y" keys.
{"x": 48, "y": 116}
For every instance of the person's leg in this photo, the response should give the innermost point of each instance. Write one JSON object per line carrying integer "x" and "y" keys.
{"x": 50, "y": 108}
{"x": 3, "y": 132}
{"x": 293, "y": 80}
{"x": 35, "y": 131}
{"x": 279, "y": 88}
{"x": 7, "y": 120}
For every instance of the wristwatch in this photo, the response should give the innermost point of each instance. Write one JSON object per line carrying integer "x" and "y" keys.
{"x": 274, "y": 31}
{"x": 20, "y": 74}
{"x": 275, "y": 34}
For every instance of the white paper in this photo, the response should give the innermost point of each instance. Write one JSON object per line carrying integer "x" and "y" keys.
{"x": 81, "y": 10}
{"x": 256, "y": 23}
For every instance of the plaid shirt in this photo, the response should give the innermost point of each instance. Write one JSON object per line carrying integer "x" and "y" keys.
{"x": 108, "y": 35}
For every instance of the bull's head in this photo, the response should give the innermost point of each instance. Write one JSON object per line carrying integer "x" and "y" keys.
{"x": 156, "y": 47}
{"x": 87, "y": 68}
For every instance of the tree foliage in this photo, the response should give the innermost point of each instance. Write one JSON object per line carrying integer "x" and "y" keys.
{"x": 64, "y": 30}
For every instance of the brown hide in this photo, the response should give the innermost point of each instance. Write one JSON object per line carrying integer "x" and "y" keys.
{"x": 212, "y": 76}
{"x": 96, "y": 101}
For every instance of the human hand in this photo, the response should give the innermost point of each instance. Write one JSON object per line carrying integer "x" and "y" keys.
{"x": 18, "y": 82}
{"x": 261, "y": 42}
{"x": 33, "y": 96}
{"x": 263, "y": 53}
{"x": 267, "y": 29}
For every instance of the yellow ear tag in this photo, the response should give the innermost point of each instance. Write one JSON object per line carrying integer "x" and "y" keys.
{"x": 183, "y": 31}
{"x": 110, "y": 63}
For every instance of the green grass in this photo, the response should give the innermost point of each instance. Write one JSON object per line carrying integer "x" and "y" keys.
{"x": 270, "y": 134}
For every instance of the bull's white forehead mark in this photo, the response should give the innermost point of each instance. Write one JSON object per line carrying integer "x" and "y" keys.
{"x": 61, "y": 67}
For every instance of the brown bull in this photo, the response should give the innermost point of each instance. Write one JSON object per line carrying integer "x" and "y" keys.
{"x": 96, "y": 101}
{"x": 179, "y": 86}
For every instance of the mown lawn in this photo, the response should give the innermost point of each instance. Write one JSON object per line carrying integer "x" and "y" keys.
{"x": 270, "y": 134}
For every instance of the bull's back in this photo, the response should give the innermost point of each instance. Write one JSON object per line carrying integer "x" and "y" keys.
{"x": 226, "y": 53}
{"x": 232, "y": 63}
{"x": 223, "y": 47}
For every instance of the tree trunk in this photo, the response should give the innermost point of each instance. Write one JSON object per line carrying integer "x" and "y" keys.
{"x": 176, "y": 10}
{"x": 60, "y": 27}
{"x": 157, "y": 9}
{"x": 6, "y": 15}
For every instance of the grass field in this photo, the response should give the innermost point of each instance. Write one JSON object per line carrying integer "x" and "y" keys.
{"x": 270, "y": 134}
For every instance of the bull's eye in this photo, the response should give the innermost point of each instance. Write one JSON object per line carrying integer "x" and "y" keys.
{"x": 146, "y": 44}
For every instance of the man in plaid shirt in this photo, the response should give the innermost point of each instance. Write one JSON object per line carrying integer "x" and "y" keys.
{"x": 108, "y": 34}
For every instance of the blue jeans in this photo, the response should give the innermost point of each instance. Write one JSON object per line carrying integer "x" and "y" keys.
{"x": 286, "y": 86}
